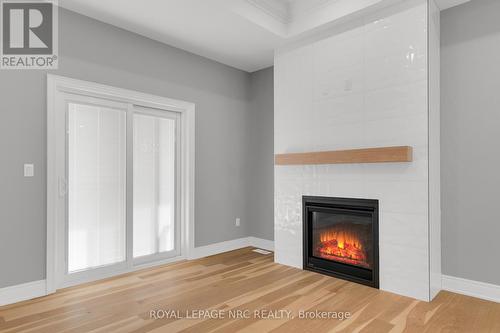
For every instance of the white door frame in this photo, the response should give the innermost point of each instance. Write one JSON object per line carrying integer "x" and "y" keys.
{"x": 56, "y": 163}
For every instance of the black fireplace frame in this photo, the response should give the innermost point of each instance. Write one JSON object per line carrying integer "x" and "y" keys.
{"x": 336, "y": 269}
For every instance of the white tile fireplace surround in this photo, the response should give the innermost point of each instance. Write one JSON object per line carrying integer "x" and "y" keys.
{"x": 372, "y": 82}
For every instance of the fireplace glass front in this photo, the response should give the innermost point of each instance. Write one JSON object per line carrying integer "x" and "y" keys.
{"x": 341, "y": 238}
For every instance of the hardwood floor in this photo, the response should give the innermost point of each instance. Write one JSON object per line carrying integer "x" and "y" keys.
{"x": 247, "y": 281}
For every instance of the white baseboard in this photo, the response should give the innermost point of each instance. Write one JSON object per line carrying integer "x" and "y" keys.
{"x": 261, "y": 243}
{"x": 30, "y": 290}
{"x": 22, "y": 292}
{"x": 487, "y": 291}
{"x": 212, "y": 249}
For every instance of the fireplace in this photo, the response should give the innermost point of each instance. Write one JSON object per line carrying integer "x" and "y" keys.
{"x": 341, "y": 238}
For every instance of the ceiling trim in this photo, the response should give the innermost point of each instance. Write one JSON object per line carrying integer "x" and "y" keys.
{"x": 445, "y": 4}
{"x": 317, "y": 5}
{"x": 285, "y": 15}
{"x": 272, "y": 8}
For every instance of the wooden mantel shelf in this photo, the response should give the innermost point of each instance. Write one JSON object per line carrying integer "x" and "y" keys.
{"x": 366, "y": 155}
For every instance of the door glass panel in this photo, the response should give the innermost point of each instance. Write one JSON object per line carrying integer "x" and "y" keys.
{"x": 154, "y": 185}
{"x": 97, "y": 186}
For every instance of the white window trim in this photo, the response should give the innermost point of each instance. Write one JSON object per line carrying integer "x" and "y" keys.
{"x": 59, "y": 84}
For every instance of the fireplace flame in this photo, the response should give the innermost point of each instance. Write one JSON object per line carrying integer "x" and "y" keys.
{"x": 342, "y": 246}
{"x": 342, "y": 237}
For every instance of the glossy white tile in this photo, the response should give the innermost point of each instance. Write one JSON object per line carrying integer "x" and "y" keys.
{"x": 366, "y": 87}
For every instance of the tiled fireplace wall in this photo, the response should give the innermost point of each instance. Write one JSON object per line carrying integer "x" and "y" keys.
{"x": 365, "y": 84}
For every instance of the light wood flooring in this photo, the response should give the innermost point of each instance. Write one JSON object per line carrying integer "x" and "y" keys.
{"x": 247, "y": 281}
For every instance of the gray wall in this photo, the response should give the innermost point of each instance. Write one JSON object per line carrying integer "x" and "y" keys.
{"x": 94, "y": 51}
{"x": 261, "y": 153}
{"x": 470, "y": 138}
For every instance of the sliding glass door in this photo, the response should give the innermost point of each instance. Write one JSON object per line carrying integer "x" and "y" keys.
{"x": 121, "y": 187}
{"x": 97, "y": 186}
{"x": 155, "y": 189}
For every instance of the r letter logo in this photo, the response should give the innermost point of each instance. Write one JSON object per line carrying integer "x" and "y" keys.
{"x": 29, "y": 34}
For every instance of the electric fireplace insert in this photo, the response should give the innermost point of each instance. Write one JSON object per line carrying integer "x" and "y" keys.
{"x": 341, "y": 238}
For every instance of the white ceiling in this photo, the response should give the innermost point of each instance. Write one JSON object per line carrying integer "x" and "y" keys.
{"x": 238, "y": 33}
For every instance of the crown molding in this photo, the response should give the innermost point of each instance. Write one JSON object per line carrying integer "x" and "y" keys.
{"x": 287, "y": 11}
{"x": 302, "y": 10}
{"x": 279, "y": 10}
{"x": 445, "y": 4}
